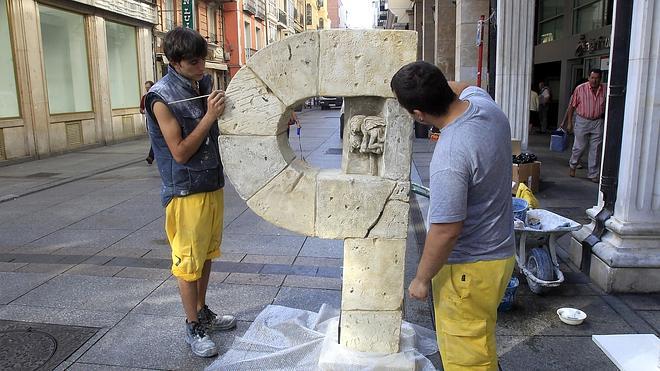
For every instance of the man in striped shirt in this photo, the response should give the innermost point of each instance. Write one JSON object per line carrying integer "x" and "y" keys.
{"x": 588, "y": 103}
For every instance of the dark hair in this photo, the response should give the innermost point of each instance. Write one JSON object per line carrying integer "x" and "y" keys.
{"x": 149, "y": 82}
{"x": 596, "y": 70}
{"x": 422, "y": 86}
{"x": 184, "y": 43}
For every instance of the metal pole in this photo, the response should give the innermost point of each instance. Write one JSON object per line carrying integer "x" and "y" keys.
{"x": 480, "y": 43}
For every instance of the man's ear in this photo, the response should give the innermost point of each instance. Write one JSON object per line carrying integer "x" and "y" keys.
{"x": 418, "y": 115}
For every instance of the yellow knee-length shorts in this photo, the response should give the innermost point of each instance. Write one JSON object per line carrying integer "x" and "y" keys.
{"x": 193, "y": 225}
{"x": 465, "y": 298}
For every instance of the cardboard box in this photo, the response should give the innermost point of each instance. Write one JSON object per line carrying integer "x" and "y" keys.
{"x": 515, "y": 147}
{"x": 530, "y": 174}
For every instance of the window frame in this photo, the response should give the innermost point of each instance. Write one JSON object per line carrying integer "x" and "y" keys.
{"x": 547, "y": 20}
{"x": 137, "y": 64}
{"x": 576, "y": 9}
{"x": 12, "y": 50}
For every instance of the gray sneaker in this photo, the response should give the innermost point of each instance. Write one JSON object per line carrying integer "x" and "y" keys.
{"x": 212, "y": 322}
{"x": 200, "y": 343}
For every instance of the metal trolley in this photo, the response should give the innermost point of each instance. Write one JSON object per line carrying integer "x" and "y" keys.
{"x": 540, "y": 265}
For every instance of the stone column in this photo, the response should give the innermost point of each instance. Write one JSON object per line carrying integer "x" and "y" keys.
{"x": 428, "y": 31}
{"x": 467, "y": 17}
{"x": 628, "y": 257}
{"x": 418, "y": 14}
{"x": 100, "y": 79}
{"x": 445, "y": 36}
{"x": 513, "y": 71}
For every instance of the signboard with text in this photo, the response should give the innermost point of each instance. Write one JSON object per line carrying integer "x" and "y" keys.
{"x": 188, "y": 11}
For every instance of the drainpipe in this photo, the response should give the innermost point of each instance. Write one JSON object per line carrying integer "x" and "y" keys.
{"x": 615, "y": 115}
{"x": 492, "y": 47}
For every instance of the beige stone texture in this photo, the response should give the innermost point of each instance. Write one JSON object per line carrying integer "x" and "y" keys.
{"x": 100, "y": 81}
{"x": 401, "y": 192}
{"x": 251, "y": 108}
{"x": 347, "y": 67}
{"x": 140, "y": 125}
{"x": 57, "y": 136}
{"x": 355, "y": 162}
{"x": 15, "y": 145}
{"x": 397, "y": 154}
{"x": 289, "y": 200}
{"x": 622, "y": 280}
{"x": 349, "y": 205}
{"x": 373, "y": 274}
{"x": 117, "y": 127}
{"x": 371, "y": 331}
{"x": 290, "y": 68}
{"x": 393, "y": 223}
{"x": 89, "y": 131}
{"x": 252, "y": 161}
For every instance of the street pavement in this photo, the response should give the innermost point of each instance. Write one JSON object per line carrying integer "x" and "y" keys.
{"x": 82, "y": 244}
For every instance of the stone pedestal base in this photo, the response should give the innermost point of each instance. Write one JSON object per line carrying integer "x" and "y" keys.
{"x": 621, "y": 263}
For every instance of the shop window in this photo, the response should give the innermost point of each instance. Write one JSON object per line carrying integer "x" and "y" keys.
{"x": 587, "y": 16}
{"x": 123, "y": 65}
{"x": 8, "y": 92}
{"x": 551, "y": 20}
{"x": 168, "y": 13}
{"x": 65, "y": 61}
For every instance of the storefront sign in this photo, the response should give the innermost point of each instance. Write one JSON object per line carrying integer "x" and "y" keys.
{"x": 591, "y": 46}
{"x": 187, "y": 10}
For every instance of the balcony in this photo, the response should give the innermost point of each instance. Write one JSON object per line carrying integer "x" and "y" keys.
{"x": 282, "y": 18}
{"x": 249, "y": 52}
{"x": 261, "y": 10}
{"x": 250, "y": 6}
{"x": 212, "y": 38}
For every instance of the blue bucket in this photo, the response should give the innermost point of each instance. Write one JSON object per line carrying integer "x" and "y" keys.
{"x": 509, "y": 295}
{"x": 520, "y": 208}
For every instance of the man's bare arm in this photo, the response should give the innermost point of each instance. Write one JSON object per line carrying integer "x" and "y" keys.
{"x": 569, "y": 117}
{"x": 184, "y": 148}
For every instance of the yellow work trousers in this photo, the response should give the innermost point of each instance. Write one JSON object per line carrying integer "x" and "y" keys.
{"x": 465, "y": 298}
{"x": 194, "y": 229}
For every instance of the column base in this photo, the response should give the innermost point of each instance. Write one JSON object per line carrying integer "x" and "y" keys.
{"x": 621, "y": 263}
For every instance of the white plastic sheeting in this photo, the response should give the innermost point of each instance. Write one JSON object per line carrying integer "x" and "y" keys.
{"x": 283, "y": 338}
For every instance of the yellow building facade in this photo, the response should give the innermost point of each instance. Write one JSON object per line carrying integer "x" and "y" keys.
{"x": 316, "y": 15}
{"x": 72, "y": 74}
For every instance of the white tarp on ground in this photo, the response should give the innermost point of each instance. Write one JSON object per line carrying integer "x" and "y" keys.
{"x": 283, "y": 338}
{"x": 631, "y": 352}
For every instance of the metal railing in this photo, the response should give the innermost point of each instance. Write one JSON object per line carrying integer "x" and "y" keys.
{"x": 249, "y": 52}
{"x": 282, "y": 17}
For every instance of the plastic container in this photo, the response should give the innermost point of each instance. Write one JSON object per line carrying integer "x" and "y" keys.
{"x": 520, "y": 208}
{"x": 509, "y": 295}
{"x": 558, "y": 141}
{"x": 571, "y": 316}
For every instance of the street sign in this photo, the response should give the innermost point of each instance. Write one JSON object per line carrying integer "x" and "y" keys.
{"x": 188, "y": 11}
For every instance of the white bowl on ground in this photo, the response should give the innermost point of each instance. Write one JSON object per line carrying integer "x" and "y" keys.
{"x": 571, "y": 316}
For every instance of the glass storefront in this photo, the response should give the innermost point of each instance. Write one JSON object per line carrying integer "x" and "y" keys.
{"x": 8, "y": 92}
{"x": 65, "y": 60}
{"x": 123, "y": 65}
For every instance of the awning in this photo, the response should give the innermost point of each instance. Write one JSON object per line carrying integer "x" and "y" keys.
{"x": 216, "y": 66}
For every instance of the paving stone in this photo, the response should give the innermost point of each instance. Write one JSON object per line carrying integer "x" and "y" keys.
{"x": 642, "y": 301}
{"x": 307, "y": 299}
{"x": 268, "y": 259}
{"x": 156, "y": 342}
{"x": 576, "y": 289}
{"x": 73, "y": 259}
{"x": 94, "y": 270}
{"x": 244, "y": 301}
{"x": 255, "y": 279}
{"x": 321, "y": 262}
{"x": 652, "y": 317}
{"x": 417, "y": 312}
{"x": 91, "y": 241}
{"x": 333, "y": 272}
{"x": 81, "y": 366}
{"x": 34, "y": 258}
{"x": 231, "y": 257}
{"x": 122, "y": 216}
{"x": 258, "y": 245}
{"x": 140, "y": 262}
{"x": 10, "y": 267}
{"x": 146, "y": 273}
{"x": 90, "y": 293}
{"x": 144, "y": 238}
{"x": 313, "y": 282}
{"x": 298, "y": 270}
{"x": 15, "y": 284}
{"x": 537, "y": 316}
{"x": 551, "y": 353}
{"x": 251, "y": 223}
{"x": 60, "y": 316}
{"x": 323, "y": 248}
{"x": 123, "y": 252}
{"x": 98, "y": 259}
{"x": 223, "y": 266}
{"x": 45, "y": 268}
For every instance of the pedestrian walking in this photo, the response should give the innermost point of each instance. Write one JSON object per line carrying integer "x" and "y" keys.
{"x": 533, "y": 109}
{"x": 468, "y": 254}
{"x": 545, "y": 96}
{"x": 147, "y": 86}
{"x": 184, "y": 137}
{"x": 588, "y": 105}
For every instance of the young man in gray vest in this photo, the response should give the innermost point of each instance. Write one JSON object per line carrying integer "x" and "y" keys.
{"x": 468, "y": 252}
{"x": 184, "y": 137}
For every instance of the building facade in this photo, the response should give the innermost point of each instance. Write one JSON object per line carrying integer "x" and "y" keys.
{"x": 245, "y": 30}
{"x": 72, "y": 74}
{"x": 337, "y": 13}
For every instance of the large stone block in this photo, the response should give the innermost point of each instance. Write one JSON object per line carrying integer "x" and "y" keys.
{"x": 354, "y": 162}
{"x": 251, "y": 108}
{"x": 401, "y": 192}
{"x": 289, "y": 200}
{"x": 373, "y": 274}
{"x": 393, "y": 223}
{"x": 252, "y": 161}
{"x": 290, "y": 67}
{"x": 349, "y": 205}
{"x": 349, "y": 66}
{"x": 369, "y": 331}
{"x": 397, "y": 153}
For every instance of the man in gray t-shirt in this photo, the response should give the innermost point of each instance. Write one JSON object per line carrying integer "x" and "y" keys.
{"x": 468, "y": 252}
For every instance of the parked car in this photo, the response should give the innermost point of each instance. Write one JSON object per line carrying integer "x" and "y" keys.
{"x": 329, "y": 102}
